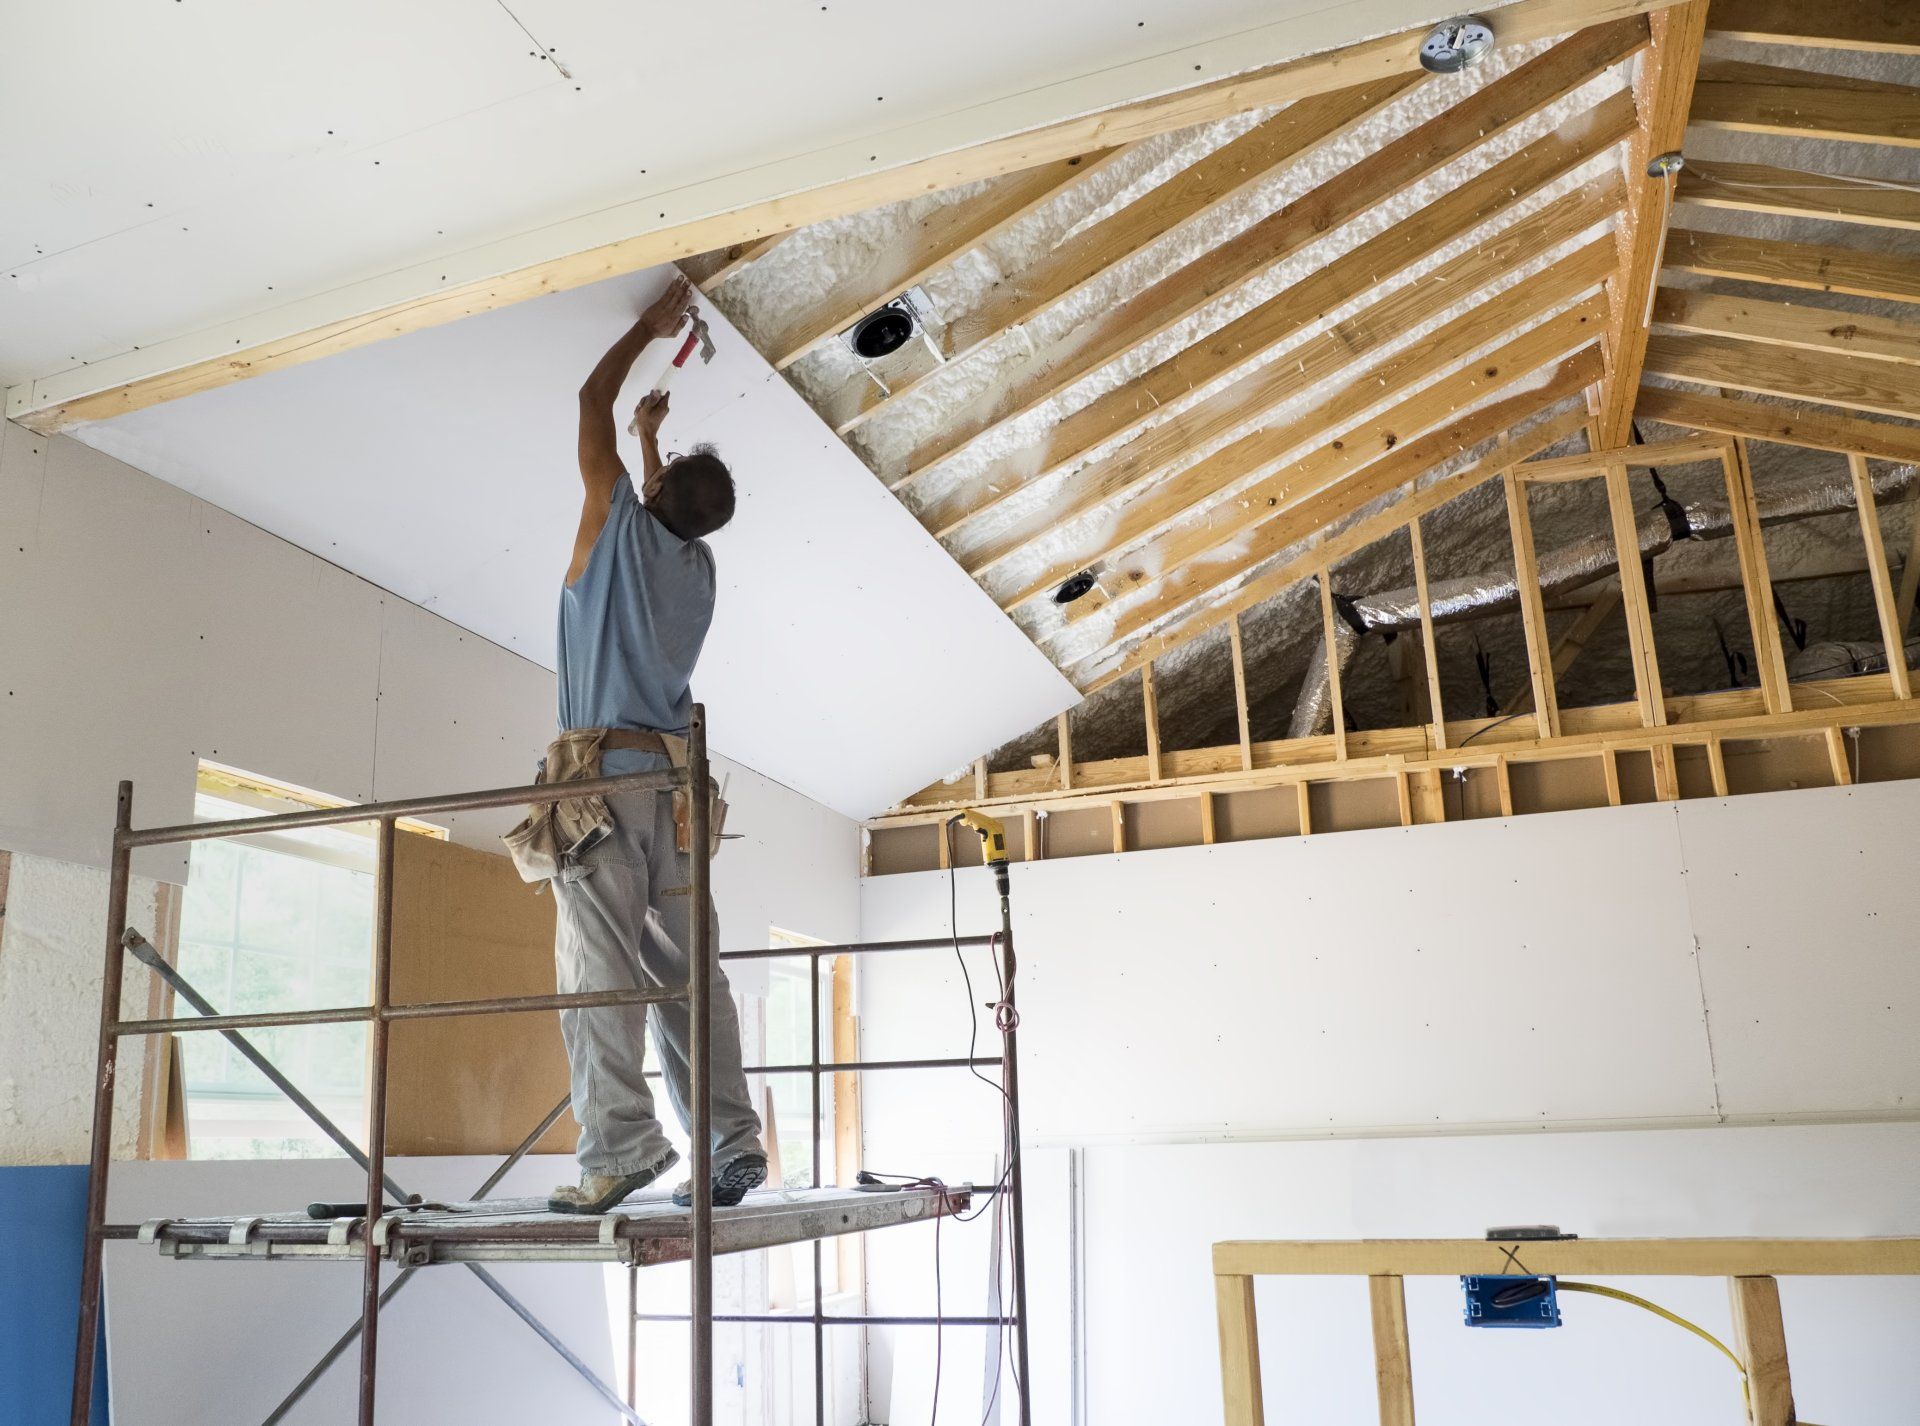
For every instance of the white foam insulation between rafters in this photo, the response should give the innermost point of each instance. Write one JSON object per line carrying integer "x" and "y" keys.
{"x": 1465, "y": 539}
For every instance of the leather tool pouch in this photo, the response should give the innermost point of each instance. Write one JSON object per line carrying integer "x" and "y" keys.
{"x": 683, "y": 804}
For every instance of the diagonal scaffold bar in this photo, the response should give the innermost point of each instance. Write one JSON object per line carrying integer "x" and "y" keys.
{"x": 149, "y": 955}
{"x": 379, "y": 1017}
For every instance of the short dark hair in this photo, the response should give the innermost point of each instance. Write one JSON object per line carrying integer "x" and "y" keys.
{"x": 696, "y": 494}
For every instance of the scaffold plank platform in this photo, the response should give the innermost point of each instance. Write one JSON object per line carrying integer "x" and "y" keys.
{"x": 646, "y": 1230}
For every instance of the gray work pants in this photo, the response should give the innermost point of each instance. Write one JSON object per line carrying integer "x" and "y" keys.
{"x": 623, "y": 920}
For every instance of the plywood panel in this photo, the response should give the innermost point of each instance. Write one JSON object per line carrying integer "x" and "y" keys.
{"x": 1806, "y": 908}
{"x": 466, "y": 926}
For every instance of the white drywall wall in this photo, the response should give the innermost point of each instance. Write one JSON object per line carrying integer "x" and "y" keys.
{"x": 141, "y": 630}
{"x": 1749, "y": 959}
{"x": 298, "y": 164}
{"x": 850, "y": 658}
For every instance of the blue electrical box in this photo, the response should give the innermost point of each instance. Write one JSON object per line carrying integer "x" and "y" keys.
{"x": 1512, "y": 1301}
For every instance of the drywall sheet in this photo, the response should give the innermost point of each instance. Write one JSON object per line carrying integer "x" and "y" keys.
{"x": 850, "y": 658}
{"x": 301, "y": 163}
{"x": 1808, "y": 917}
{"x": 1512, "y": 973}
{"x": 43, "y": 1231}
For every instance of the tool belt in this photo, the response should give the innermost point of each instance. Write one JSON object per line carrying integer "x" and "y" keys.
{"x": 554, "y": 835}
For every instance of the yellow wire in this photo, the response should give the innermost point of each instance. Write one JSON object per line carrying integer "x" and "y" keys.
{"x": 1674, "y": 1317}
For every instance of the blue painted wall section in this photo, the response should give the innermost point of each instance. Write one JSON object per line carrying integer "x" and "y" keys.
{"x": 43, "y": 1222}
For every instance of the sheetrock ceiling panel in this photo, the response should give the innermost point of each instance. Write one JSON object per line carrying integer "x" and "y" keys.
{"x": 850, "y": 658}
{"x": 177, "y": 168}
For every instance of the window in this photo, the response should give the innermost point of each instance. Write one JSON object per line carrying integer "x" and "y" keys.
{"x": 278, "y": 921}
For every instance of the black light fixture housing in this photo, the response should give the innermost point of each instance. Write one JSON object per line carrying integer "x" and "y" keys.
{"x": 1074, "y": 587}
{"x": 883, "y": 331}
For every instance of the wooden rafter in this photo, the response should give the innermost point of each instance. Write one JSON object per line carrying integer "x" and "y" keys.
{"x": 1142, "y": 460}
{"x": 1811, "y": 267}
{"x": 1815, "y": 329}
{"x": 1201, "y": 187}
{"x": 1662, "y": 93}
{"x": 1533, "y": 614}
{"x": 1768, "y": 99}
{"x": 939, "y": 238}
{"x": 736, "y": 258}
{"x": 1262, "y": 521}
{"x": 1854, "y": 383}
{"x": 1816, "y": 430}
{"x": 1382, "y": 478}
{"x": 1336, "y": 437}
{"x": 1886, "y": 26}
{"x": 1262, "y": 328}
{"x": 1789, "y": 193}
{"x": 1885, "y": 601}
{"x": 1486, "y": 112}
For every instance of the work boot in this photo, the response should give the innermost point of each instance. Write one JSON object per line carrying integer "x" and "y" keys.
{"x": 732, "y": 1182}
{"x": 599, "y": 1192}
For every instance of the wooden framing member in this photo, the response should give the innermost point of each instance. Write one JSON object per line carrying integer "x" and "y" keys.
{"x": 1266, "y": 149}
{"x": 1533, "y": 614}
{"x": 846, "y": 1105}
{"x": 1401, "y": 468}
{"x": 1407, "y": 160}
{"x": 1756, "y": 580}
{"x": 1331, "y": 645}
{"x": 1789, "y": 193}
{"x": 1430, "y": 656}
{"x": 1206, "y": 819}
{"x": 1837, "y": 759}
{"x": 1760, "y": 1341}
{"x": 1786, "y": 324}
{"x": 1816, "y": 430}
{"x": 737, "y": 257}
{"x": 1633, "y": 597}
{"x": 1810, "y": 267}
{"x": 941, "y": 236}
{"x": 1662, "y": 95}
{"x": 1392, "y": 1353}
{"x": 1244, "y": 721}
{"x": 1303, "y": 805}
{"x": 1610, "y": 774}
{"x": 1239, "y": 1351}
{"x": 1066, "y": 752}
{"x": 732, "y": 213}
{"x": 1119, "y": 825}
{"x": 1567, "y": 648}
{"x": 1150, "y": 710}
{"x": 1885, "y": 601}
{"x": 1717, "y": 766}
{"x": 1574, "y": 1257}
{"x": 1850, "y": 382}
{"x": 1312, "y": 494}
{"x": 1884, "y": 26}
{"x": 1909, "y": 582}
{"x": 1334, "y": 437}
{"x": 1805, "y": 104}
{"x": 1474, "y": 204}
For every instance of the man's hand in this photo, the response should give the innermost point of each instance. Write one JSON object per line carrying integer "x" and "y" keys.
{"x": 648, "y": 415}
{"x": 669, "y": 310}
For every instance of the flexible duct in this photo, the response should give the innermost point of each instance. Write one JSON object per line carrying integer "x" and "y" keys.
{"x": 1572, "y": 566}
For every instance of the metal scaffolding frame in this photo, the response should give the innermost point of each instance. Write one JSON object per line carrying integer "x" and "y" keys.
{"x": 379, "y": 1016}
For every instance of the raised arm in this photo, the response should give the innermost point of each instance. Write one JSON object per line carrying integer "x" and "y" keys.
{"x": 600, "y": 465}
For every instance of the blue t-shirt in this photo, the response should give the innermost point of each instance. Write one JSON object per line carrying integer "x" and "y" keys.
{"x": 631, "y": 628}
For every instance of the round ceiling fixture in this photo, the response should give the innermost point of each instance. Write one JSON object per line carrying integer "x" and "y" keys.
{"x": 1074, "y": 587}
{"x": 883, "y": 332}
{"x": 1456, "y": 44}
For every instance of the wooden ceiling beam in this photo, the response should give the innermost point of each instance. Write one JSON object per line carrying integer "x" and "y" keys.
{"x": 939, "y": 238}
{"x": 1663, "y": 91}
{"x": 1789, "y": 193}
{"x": 737, "y": 258}
{"x": 1764, "y": 99}
{"x": 1881, "y": 26}
{"x": 358, "y": 315}
{"x": 1815, "y": 430}
{"x": 1259, "y": 330}
{"x": 1490, "y": 110}
{"x": 1811, "y": 267}
{"x": 1382, "y": 479}
{"x": 1786, "y": 324}
{"x": 1854, "y": 383}
{"x": 1202, "y": 187}
{"x": 1334, "y": 428}
{"x": 1262, "y": 530}
{"x": 1341, "y": 349}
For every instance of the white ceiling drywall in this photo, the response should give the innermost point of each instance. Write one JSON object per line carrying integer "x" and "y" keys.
{"x": 183, "y": 178}
{"x": 850, "y": 658}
